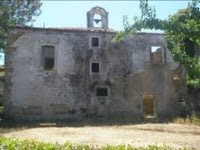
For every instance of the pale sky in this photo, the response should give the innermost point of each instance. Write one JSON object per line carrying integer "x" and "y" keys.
{"x": 73, "y": 13}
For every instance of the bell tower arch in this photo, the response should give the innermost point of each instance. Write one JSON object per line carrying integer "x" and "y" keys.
{"x": 97, "y": 17}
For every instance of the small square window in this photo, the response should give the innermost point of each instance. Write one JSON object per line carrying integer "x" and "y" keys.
{"x": 95, "y": 67}
{"x": 101, "y": 91}
{"x": 95, "y": 41}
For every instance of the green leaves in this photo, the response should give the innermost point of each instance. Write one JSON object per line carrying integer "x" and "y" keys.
{"x": 184, "y": 31}
{"x": 16, "y": 12}
{"x": 16, "y": 144}
{"x": 182, "y": 34}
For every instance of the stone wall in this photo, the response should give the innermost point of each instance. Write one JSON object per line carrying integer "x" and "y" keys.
{"x": 194, "y": 100}
{"x": 69, "y": 90}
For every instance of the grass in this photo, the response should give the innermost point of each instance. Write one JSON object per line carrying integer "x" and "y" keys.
{"x": 16, "y": 144}
{"x": 191, "y": 120}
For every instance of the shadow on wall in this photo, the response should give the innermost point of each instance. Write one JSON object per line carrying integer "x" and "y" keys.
{"x": 194, "y": 96}
{"x": 2, "y": 79}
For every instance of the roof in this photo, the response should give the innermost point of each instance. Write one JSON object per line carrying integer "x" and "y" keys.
{"x": 77, "y": 29}
{"x": 64, "y": 29}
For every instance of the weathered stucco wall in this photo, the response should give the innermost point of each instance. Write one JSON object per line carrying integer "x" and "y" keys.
{"x": 68, "y": 91}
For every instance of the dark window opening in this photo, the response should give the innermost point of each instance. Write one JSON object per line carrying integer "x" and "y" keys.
{"x": 101, "y": 91}
{"x": 48, "y": 57}
{"x": 49, "y": 63}
{"x": 95, "y": 67}
{"x": 95, "y": 42}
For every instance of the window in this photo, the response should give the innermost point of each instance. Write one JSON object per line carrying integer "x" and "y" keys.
{"x": 97, "y": 20}
{"x": 48, "y": 57}
{"x": 156, "y": 55}
{"x": 101, "y": 91}
{"x": 155, "y": 49}
{"x": 95, "y": 41}
{"x": 95, "y": 67}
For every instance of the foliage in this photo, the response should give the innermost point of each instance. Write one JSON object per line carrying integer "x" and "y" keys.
{"x": 182, "y": 33}
{"x": 16, "y": 144}
{"x": 16, "y": 12}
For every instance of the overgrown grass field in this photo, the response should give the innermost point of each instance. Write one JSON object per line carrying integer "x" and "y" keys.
{"x": 16, "y": 144}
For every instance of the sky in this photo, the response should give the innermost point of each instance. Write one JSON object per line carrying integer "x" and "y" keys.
{"x": 73, "y": 13}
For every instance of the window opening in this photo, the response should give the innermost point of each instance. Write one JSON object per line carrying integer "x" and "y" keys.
{"x": 101, "y": 91}
{"x": 156, "y": 54}
{"x": 95, "y": 67}
{"x": 97, "y": 21}
{"x": 95, "y": 42}
{"x": 48, "y": 57}
{"x": 155, "y": 49}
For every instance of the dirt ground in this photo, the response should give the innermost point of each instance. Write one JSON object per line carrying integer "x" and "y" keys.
{"x": 173, "y": 135}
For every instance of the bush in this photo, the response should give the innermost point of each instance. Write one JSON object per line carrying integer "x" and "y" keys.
{"x": 16, "y": 144}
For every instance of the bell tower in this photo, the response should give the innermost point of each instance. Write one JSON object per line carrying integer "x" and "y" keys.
{"x": 97, "y": 17}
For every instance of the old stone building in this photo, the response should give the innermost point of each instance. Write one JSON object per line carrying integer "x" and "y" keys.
{"x": 76, "y": 73}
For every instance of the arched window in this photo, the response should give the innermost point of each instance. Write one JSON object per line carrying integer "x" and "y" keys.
{"x": 97, "y": 17}
{"x": 97, "y": 20}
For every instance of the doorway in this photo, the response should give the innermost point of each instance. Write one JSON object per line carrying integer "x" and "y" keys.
{"x": 148, "y": 105}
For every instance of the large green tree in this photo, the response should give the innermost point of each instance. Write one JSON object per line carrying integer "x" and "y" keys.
{"x": 16, "y": 12}
{"x": 182, "y": 34}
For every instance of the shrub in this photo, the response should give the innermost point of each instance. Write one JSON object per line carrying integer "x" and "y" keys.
{"x": 16, "y": 144}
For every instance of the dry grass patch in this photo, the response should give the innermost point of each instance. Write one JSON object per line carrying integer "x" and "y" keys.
{"x": 138, "y": 135}
{"x": 192, "y": 120}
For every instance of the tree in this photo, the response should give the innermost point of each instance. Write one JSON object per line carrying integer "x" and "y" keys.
{"x": 182, "y": 34}
{"x": 16, "y": 12}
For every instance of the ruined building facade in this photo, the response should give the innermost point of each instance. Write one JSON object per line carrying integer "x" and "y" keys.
{"x": 76, "y": 73}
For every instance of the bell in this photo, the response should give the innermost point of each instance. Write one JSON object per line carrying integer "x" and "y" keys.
{"x": 97, "y": 20}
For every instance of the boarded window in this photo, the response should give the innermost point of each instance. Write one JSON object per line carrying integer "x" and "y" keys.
{"x": 95, "y": 67}
{"x": 95, "y": 41}
{"x": 48, "y": 57}
{"x": 101, "y": 91}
